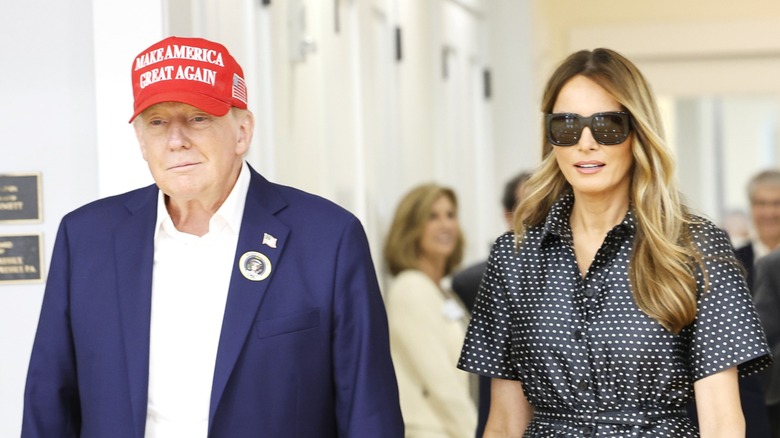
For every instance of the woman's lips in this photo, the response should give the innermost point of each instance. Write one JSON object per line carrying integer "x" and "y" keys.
{"x": 589, "y": 166}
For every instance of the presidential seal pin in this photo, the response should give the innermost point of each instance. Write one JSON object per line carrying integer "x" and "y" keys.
{"x": 254, "y": 266}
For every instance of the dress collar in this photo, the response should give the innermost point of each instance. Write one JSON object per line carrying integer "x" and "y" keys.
{"x": 557, "y": 221}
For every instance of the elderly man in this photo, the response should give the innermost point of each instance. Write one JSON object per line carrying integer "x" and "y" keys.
{"x": 213, "y": 303}
{"x": 764, "y": 195}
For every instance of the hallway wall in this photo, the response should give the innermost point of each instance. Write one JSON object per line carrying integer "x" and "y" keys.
{"x": 47, "y": 120}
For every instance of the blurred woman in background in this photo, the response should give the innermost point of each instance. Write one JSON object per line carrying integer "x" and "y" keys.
{"x": 427, "y": 320}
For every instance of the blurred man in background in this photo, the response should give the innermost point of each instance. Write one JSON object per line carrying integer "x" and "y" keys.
{"x": 764, "y": 195}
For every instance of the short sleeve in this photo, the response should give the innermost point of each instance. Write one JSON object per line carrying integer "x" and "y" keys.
{"x": 487, "y": 348}
{"x": 727, "y": 331}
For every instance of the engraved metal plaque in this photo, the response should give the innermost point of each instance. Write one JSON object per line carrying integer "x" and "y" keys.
{"x": 21, "y": 258}
{"x": 20, "y": 198}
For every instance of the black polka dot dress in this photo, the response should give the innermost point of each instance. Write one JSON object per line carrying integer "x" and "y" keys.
{"x": 590, "y": 362}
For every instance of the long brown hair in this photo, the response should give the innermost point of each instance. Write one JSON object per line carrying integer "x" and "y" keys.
{"x": 664, "y": 257}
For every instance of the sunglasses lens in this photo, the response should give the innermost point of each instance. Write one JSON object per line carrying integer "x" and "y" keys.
{"x": 564, "y": 130}
{"x": 607, "y": 128}
{"x": 610, "y": 128}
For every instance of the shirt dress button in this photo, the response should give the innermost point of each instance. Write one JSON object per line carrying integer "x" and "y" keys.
{"x": 578, "y": 335}
{"x": 589, "y": 293}
{"x": 582, "y": 385}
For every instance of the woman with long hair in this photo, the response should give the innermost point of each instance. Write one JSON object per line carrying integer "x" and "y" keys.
{"x": 611, "y": 302}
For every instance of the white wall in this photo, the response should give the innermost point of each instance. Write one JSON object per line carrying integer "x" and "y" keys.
{"x": 47, "y": 120}
{"x": 121, "y": 31}
{"x": 515, "y": 131}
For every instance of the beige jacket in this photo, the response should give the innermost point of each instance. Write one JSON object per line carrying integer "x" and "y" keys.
{"x": 427, "y": 327}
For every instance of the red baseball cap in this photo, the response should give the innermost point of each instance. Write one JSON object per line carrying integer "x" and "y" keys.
{"x": 194, "y": 71}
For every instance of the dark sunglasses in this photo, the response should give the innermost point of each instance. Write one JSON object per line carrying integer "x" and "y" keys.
{"x": 607, "y": 128}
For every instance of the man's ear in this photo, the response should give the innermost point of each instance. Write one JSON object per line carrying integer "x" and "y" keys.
{"x": 246, "y": 128}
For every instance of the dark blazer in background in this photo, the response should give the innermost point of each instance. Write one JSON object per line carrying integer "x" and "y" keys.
{"x": 466, "y": 282}
{"x": 767, "y": 298}
{"x": 746, "y": 256}
{"x": 466, "y": 285}
{"x": 302, "y": 354}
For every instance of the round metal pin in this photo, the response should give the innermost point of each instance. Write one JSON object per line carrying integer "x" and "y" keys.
{"x": 254, "y": 266}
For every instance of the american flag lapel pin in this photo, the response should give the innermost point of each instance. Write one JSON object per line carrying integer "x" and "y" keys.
{"x": 269, "y": 240}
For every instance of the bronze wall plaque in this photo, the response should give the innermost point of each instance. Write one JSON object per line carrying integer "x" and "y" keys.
{"x": 20, "y": 198}
{"x": 21, "y": 258}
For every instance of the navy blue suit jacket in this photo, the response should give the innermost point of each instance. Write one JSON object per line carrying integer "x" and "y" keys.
{"x": 303, "y": 353}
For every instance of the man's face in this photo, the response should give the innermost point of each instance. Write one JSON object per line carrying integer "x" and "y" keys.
{"x": 765, "y": 210}
{"x": 192, "y": 155}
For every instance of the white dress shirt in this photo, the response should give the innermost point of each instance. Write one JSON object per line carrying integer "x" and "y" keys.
{"x": 189, "y": 289}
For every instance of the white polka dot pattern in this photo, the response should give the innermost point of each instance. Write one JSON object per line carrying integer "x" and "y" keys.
{"x": 582, "y": 348}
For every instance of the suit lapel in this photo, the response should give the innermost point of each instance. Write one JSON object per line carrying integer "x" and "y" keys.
{"x": 134, "y": 248}
{"x": 245, "y": 296}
